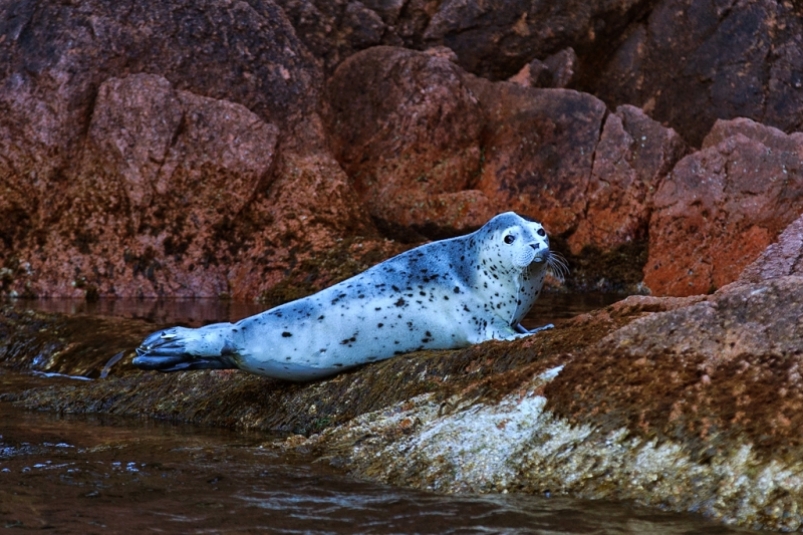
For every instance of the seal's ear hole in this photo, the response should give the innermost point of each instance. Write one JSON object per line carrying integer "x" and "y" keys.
{"x": 541, "y": 232}
{"x": 510, "y": 238}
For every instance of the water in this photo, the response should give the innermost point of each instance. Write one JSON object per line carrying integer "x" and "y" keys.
{"x": 104, "y": 475}
{"x": 81, "y": 475}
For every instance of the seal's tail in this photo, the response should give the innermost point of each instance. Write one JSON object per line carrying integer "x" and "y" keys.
{"x": 181, "y": 348}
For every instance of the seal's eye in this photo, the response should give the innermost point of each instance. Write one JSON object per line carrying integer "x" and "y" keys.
{"x": 541, "y": 232}
{"x": 510, "y": 239}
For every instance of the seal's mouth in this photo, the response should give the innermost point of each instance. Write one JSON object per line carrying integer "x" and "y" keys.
{"x": 541, "y": 256}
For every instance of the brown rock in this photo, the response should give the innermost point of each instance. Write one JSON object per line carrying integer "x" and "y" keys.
{"x": 495, "y": 39}
{"x": 539, "y": 150}
{"x": 334, "y": 30}
{"x": 557, "y": 70}
{"x": 406, "y": 129}
{"x": 721, "y": 207}
{"x": 633, "y": 156}
{"x": 724, "y": 369}
{"x": 781, "y": 259}
{"x": 164, "y": 172}
{"x": 676, "y": 59}
{"x": 689, "y": 63}
{"x": 195, "y": 179}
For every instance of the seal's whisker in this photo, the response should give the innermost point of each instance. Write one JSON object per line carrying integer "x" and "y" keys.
{"x": 558, "y": 266}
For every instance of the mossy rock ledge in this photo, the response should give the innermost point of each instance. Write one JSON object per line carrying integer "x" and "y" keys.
{"x": 689, "y": 404}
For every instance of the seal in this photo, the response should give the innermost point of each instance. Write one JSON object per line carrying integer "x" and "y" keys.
{"x": 443, "y": 295}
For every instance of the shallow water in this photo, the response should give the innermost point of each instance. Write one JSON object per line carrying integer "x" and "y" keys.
{"x": 106, "y": 475}
{"x": 79, "y": 475}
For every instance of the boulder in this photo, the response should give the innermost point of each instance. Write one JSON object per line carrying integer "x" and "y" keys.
{"x": 539, "y": 147}
{"x": 722, "y": 206}
{"x": 682, "y": 64}
{"x": 781, "y": 259}
{"x": 207, "y": 176}
{"x": 633, "y": 156}
{"x": 406, "y": 129}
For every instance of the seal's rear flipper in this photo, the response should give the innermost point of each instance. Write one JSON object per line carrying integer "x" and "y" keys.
{"x": 180, "y": 348}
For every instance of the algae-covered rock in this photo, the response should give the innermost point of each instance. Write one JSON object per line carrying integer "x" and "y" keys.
{"x": 693, "y": 405}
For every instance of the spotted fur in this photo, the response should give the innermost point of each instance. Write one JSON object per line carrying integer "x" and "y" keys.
{"x": 444, "y": 295}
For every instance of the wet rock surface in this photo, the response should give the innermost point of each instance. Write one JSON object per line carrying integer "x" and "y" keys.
{"x": 691, "y": 405}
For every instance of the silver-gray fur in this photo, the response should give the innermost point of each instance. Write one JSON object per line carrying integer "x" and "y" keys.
{"x": 443, "y": 295}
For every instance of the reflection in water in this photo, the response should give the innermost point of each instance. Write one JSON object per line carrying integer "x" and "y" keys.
{"x": 97, "y": 475}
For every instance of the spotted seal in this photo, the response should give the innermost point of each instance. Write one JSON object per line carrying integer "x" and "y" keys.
{"x": 443, "y": 295}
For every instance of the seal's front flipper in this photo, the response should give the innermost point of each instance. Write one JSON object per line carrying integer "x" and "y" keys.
{"x": 180, "y": 348}
{"x": 522, "y": 329}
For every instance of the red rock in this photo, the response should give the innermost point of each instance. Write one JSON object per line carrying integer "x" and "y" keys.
{"x": 194, "y": 179}
{"x": 406, "y": 129}
{"x": 171, "y": 169}
{"x": 633, "y": 156}
{"x": 539, "y": 150}
{"x": 722, "y": 206}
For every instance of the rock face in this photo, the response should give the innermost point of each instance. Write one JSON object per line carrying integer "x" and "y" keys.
{"x": 783, "y": 258}
{"x": 406, "y": 129}
{"x": 163, "y": 170}
{"x": 205, "y": 176}
{"x": 540, "y": 145}
{"x": 633, "y": 156}
{"x": 674, "y": 58}
{"x": 229, "y": 149}
{"x": 722, "y": 206}
{"x": 680, "y": 64}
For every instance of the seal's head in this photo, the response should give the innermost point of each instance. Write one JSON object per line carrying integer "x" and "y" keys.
{"x": 516, "y": 241}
